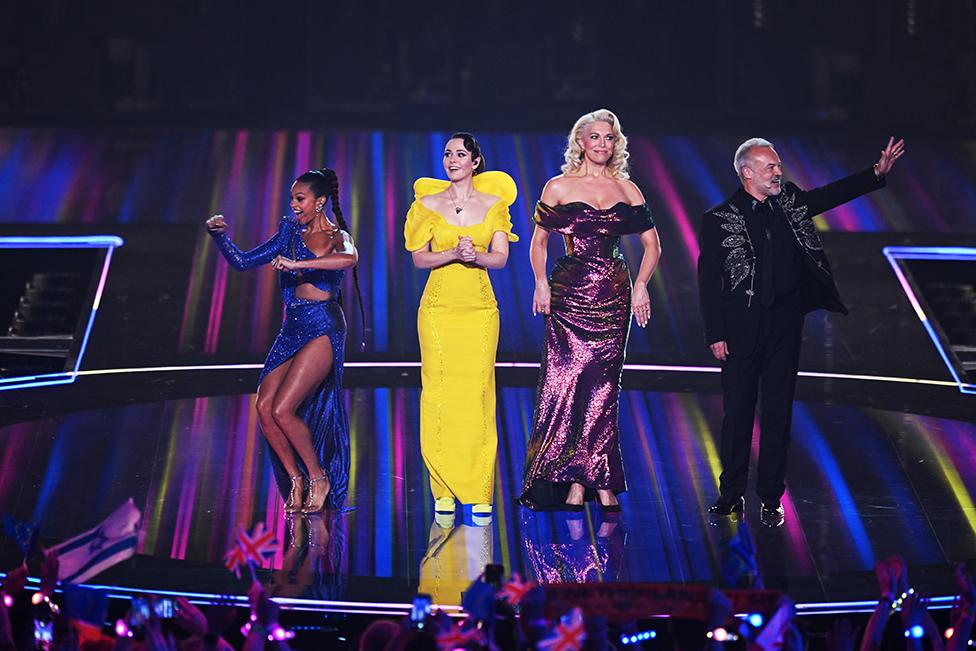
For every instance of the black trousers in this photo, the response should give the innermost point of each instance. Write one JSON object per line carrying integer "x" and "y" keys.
{"x": 770, "y": 370}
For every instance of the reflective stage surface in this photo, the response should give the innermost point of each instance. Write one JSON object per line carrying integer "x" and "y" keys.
{"x": 863, "y": 484}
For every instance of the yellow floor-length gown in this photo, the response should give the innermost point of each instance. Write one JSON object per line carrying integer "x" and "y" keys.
{"x": 458, "y": 327}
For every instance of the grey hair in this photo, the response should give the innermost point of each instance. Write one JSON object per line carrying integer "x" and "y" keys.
{"x": 742, "y": 153}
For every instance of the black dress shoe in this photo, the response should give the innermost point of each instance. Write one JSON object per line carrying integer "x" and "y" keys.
{"x": 725, "y": 506}
{"x": 771, "y": 514}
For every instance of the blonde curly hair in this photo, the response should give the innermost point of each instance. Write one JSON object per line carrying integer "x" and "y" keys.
{"x": 574, "y": 152}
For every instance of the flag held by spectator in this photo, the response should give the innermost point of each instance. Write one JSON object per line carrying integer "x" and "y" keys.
{"x": 233, "y": 560}
{"x": 101, "y": 547}
{"x": 257, "y": 545}
{"x": 568, "y": 635}
{"x": 458, "y": 636}
{"x": 23, "y": 534}
{"x": 513, "y": 591}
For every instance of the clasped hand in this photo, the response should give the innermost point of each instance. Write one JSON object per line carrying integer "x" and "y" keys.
{"x": 464, "y": 251}
{"x": 281, "y": 263}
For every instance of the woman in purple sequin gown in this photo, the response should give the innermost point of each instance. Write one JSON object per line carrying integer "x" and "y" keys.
{"x": 574, "y": 451}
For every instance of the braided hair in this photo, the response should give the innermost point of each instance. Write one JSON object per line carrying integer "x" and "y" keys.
{"x": 325, "y": 183}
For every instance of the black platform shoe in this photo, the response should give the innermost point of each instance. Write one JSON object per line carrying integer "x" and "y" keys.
{"x": 725, "y": 506}
{"x": 771, "y": 514}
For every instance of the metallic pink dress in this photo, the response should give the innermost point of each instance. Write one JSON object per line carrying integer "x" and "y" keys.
{"x": 574, "y": 435}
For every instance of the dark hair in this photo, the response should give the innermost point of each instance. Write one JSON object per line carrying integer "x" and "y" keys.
{"x": 324, "y": 183}
{"x": 471, "y": 144}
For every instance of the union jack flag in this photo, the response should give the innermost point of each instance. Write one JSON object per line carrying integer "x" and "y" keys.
{"x": 568, "y": 635}
{"x": 513, "y": 591}
{"x": 257, "y": 545}
{"x": 456, "y": 636}
{"x": 249, "y": 548}
{"x": 233, "y": 560}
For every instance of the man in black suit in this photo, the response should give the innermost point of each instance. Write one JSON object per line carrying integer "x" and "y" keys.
{"x": 762, "y": 267}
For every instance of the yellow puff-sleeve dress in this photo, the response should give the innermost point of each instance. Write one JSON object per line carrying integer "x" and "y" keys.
{"x": 458, "y": 327}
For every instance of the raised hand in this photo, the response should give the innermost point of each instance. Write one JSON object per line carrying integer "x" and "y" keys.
{"x": 156, "y": 640}
{"x": 49, "y": 572}
{"x": 966, "y": 611}
{"x": 262, "y": 606}
{"x": 190, "y": 618}
{"x": 217, "y": 224}
{"x": 889, "y": 155}
{"x": 913, "y": 610}
{"x": 888, "y": 570}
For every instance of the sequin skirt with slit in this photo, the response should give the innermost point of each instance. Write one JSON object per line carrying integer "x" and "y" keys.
{"x": 575, "y": 437}
{"x": 324, "y": 410}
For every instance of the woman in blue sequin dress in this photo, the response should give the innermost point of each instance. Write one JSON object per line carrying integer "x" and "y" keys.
{"x": 300, "y": 405}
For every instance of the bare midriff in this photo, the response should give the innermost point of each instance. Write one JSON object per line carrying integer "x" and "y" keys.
{"x": 310, "y": 292}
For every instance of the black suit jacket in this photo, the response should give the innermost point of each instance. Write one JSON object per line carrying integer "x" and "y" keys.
{"x": 728, "y": 288}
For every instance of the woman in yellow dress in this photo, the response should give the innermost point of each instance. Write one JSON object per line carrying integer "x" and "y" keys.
{"x": 458, "y": 229}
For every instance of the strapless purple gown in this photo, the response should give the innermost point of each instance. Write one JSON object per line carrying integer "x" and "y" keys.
{"x": 574, "y": 435}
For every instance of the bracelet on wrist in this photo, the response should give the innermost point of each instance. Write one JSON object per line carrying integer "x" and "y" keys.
{"x": 896, "y": 603}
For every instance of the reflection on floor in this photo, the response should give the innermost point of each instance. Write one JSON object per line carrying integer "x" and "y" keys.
{"x": 863, "y": 484}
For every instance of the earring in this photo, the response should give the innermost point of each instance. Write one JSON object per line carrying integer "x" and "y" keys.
{"x": 319, "y": 207}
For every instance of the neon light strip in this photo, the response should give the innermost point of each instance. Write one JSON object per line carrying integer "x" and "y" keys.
{"x": 530, "y": 365}
{"x": 61, "y": 242}
{"x": 109, "y": 242}
{"x": 393, "y": 608}
{"x": 895, "y": 253}
{"x": 365, "y": 607}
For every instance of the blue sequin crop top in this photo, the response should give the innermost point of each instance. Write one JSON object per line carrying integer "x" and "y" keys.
{"x": 286, "y": 242}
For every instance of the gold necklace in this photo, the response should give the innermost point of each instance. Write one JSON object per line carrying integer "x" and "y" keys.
{"x": 457, "y": 208}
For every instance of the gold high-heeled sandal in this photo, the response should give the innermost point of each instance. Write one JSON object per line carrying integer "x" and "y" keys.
{"x": 308, "y": 507}
{"x": 295, "y": 496}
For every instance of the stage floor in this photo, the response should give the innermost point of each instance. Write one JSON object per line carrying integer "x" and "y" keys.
{"x": 881, "y": 461}
{"x": 863, "y": 483}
